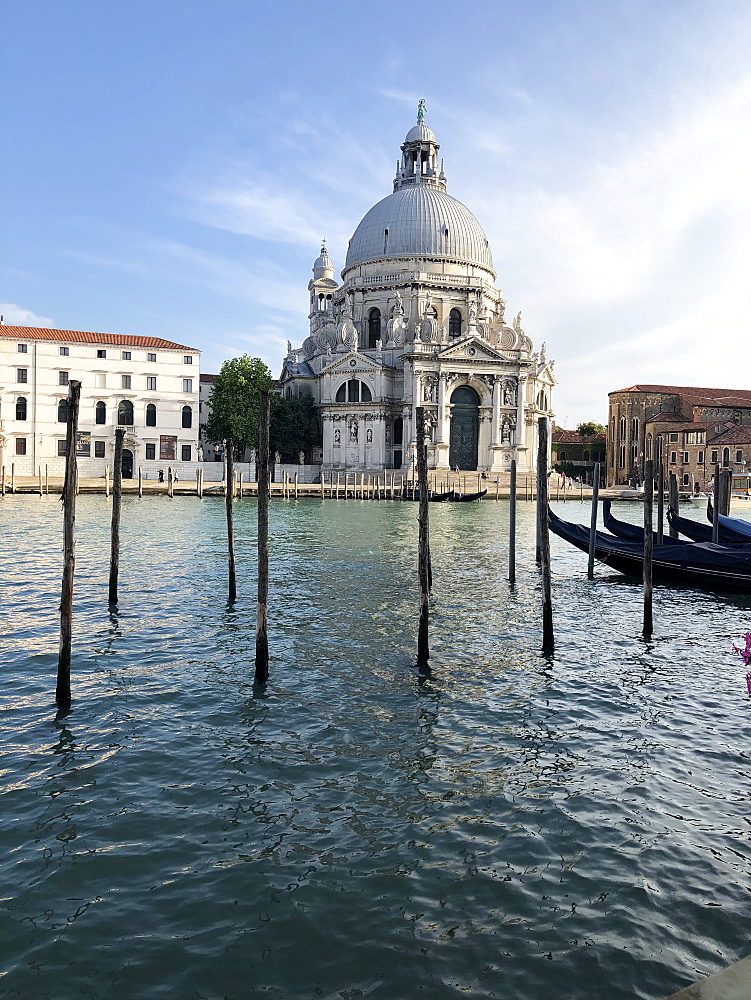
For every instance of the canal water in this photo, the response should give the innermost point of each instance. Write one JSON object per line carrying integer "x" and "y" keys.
{"x": 516, "y": 826}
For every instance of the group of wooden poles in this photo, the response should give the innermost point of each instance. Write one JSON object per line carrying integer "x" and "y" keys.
{"x": 63, "y": 690}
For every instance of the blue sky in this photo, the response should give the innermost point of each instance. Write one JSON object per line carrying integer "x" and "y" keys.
{"x": 170, "y": 167}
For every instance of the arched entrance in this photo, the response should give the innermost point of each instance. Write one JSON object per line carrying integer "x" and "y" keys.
{"x": 465, "y": 428}
{"x": 127, "y": 463}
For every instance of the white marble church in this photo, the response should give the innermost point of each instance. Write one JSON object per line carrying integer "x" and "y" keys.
{"x": 417, "y": 320}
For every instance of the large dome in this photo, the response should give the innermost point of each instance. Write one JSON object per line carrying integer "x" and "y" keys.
{"x": 421, "y": 221}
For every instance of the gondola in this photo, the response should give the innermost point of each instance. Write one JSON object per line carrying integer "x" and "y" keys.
{"x": 699, "y": 564}
{"x": 734, "y": 524}
{"x": 697, "y": 531}
{"x": 467, "y": 497}
{"x": 410, "y": 494}
{"x": 632, "y": 532}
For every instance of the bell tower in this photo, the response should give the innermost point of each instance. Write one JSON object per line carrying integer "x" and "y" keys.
{"x": 419, "y": 163}
{"x": 322, "y": 289}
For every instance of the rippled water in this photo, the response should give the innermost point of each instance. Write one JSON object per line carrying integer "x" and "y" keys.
{"x": 517, "y": 826}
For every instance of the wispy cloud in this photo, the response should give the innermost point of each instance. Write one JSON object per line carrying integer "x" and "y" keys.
{"x": 15, "y": 315}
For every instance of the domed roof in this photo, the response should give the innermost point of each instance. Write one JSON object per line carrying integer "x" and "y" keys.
{"x": 324, "y": 260}
{"x": 421, "y": 221}
{"x": 420, "y": 133}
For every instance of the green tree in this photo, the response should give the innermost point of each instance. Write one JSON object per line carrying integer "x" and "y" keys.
{"x": 233, "y": 402}
{"x": 294, "y": 427}
{"x": 590, "y": 427}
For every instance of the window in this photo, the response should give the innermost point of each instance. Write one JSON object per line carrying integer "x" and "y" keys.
{"x": 151, "y": 382}
{"x": 185, "y": 453}
{"x": 672, "y": 457}
{"x": 685, "y": 458}
{"x": 374, "y": 328}
{"x": 101, "y": 412}
{"x": 561, "y": 456}
{"x": 150, "y": 452}
{"x": 685, "y": 479}
{"x": 125, "y": 413}
{"x": 151, "y": 357}
{"x": 634, "y": 428}
{"x": 63, "y": 377}
{"x": 99, "y": 449}
{"x": 673, "y": 437}
{"x": 22, "y": 374}
{"x": 20, "y": 446}
{"x": 188, "y": 359}
{"x": 62, "y": 411}
{"x": 101, "y": 381}
{"x": 151, "y": 415}
{"x": 455, "y": 323}
{"x": 125, "y": 355}
{"x": 101, "y": 353}
{"x": 739, "y": 456}
{"x": 64, "y": 352}
{"x": 125, "y": 381}
{"x": 700, "y": 457}
{"x": 725, "y": 457}
{"x": 353, "y": 391}
{"x": 21, "y": 408}
{"x": 398, "y": 431}
{"x": 187, "y": 385}
{"x": 23, "y": 348}
{"x": 714, "y": 458}
{"x": 187, "y": 416}
{"x": 62, "y": 448}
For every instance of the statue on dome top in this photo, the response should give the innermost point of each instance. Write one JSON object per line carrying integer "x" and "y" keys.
{"x": 421, "y": 110}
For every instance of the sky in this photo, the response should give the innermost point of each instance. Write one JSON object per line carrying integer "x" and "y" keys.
{"x": 170, "y": 167}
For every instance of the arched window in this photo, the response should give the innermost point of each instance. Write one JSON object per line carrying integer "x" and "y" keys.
{"x": 62, "y": 411}
{"x": 353, "y": 391}
{"x": 374, "y": 328}
{"x": 100, "y": 412}
{"x": 187, "y": 416}
{"x": 125, "y": 413}
{"x": 542, "y": 400}
{"x": 151, "y": 415}
{"x": 455, "y": 323}
{"x": 725, "y": 457}
{"x": 398, "y": 430}
{"x": 321, "y": 302}
{"x": 21, "y": 408}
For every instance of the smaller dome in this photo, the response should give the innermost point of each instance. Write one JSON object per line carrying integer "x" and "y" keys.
{"x": 324, "y": 261}
{"x": 420, "y": 133}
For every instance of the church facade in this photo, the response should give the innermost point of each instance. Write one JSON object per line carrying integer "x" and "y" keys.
{"x": 416, "y": 320}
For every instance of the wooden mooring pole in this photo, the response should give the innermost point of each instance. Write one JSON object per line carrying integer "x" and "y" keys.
{"x": 543, "y": 531}
{"x": 512, "y": 524}
{"x": 62, "y": 694}
{"x": 140, "y": 481}
{"x": 262, "y": 638}
{"x": 716, "y": 505}
{"x": 648, "y": 541}
{"x": 593, "y": 522}
{"x": 117, "y": 496}
{"x": 726, "y": 488}
{"x": 423, "y": 544}
{"x": 673, "y": 498}
{"x": 228, "y": 500}
{"x": 660, "y": 494}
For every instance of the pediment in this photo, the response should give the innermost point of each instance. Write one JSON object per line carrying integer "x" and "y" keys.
{"x": 471, "y": 349}
{"x": 351, "y": 362}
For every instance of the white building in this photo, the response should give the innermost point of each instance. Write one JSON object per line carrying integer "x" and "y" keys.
{"x": 148, "y": 385}
{"x": 417, "y": 321}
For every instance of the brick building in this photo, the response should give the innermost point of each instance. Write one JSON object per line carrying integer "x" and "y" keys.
{"x": 698, "y": 428}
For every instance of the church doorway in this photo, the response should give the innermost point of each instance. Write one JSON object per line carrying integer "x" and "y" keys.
{"x": 127, "y": 464}
{"x": 465, "y": 427}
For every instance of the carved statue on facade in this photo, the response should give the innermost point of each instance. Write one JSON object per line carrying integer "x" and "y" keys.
{"x": 518, "y": 323}
{"x": 509, "y": 394}
{"x": 369, "y": 436}
{"x": 337, "y": 436}
{"x": 353, "y": 431}
{"x": 429, "y": 326}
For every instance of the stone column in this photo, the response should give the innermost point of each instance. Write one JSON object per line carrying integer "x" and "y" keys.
{"x": 441, "y": 408}
{"x": 495, "y": 426}
{"x": 521, "y": 387}
{"x": 416, "y": 389}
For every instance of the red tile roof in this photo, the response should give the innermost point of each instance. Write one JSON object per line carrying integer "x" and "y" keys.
{"x": 561, "y": 436}
{"x": 207, "y": 378}
{"x": 733, "y": 435}
{"x": 716, "y": 397}
{"x": 80, "y": 337}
